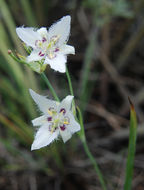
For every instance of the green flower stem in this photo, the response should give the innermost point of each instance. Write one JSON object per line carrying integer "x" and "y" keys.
{"x": 17, "y": 59}
{"x": 44, "y": 77}
{"x": 69, "y": 82}
{"x": 83, "y": 139}
{"x": 89, "y": 154}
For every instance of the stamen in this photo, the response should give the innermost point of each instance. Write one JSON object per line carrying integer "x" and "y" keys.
{"x": 38, "y": 43}
{"x": 55, "y": 39}
{"x": 66, "y": 121}
{"x": 51, "y": 55}
{"x": 51, "y": 111}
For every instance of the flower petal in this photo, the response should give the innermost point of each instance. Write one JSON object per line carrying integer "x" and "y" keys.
{"x": 66, "y": 103}
{"x": 44, "y": 137}
{"x": 57, "y": 63}
{"x": 66, "y": 134}
{"x": 35, "y": 56}
{"x": 74, "y": 126}
{"x": 39, "y": 120}
{"x": 28, "y": 35}
{"x": 43, "y": 31}
{"x": 43, "y": 103}
{"x": 66, "y": 49}
{"x": 61, "y": 28}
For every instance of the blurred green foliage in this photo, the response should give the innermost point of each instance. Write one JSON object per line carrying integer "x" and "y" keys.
{"x": 105, "y": 10}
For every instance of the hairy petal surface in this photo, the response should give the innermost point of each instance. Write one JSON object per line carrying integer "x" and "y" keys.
{"x": 44, "y": 137}
{"x": 67, "y": 49}
{"x": 74, "y": 125}
{"x": 39, "y": 120}
{"x": 66, "y": 103}
{"x": 66, "y": 135}
{"x": 43, "y": 103}
{"x": 28, "y": 35}
{"x": 58, "y": 63}
{"x": 62, "y": 29}
{"x": 34, "y": 56}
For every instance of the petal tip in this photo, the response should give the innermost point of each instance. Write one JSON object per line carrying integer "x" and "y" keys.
{"x": 66, "y": 19}
{"x": 31, "y": 91}
{"x": 32, "y": 147}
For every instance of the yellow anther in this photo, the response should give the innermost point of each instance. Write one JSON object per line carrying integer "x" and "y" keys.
{"x": 50, "y": 112}
{"x": 40, "y": 44}
{"x": 55, "y": 39}
{"x": 49, "y": 45}
{"x": 51, "y": 55}
{"x": 66, "y": 122}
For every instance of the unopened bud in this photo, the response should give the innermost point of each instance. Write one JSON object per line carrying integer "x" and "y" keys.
{"x": 9, "y": 51}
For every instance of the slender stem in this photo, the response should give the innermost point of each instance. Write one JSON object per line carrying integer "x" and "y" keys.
{"x": 89, "y": 154}
{"x": 44, "y": 77}
{"x": 83, "y": 139}
{"x": 69, "y": 82}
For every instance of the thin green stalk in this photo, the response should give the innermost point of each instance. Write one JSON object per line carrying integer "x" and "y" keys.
{"x": 83, "y": 139}
{"x": 131, "y": 148}
{"x": 44, "y": 77}
{"x": 69, "y": 82}
{"x": 89, "y": 154}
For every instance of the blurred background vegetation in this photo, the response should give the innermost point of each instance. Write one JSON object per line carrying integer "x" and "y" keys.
{"x": 107, "y": 68}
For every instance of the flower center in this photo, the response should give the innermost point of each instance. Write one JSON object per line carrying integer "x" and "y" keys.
{"x": 57, "y": 119}
{"x": 48, "y": 47}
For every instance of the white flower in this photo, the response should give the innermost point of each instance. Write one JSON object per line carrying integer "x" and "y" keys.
{"x": 57, "y": 120}
{"x": 49, "y": 45}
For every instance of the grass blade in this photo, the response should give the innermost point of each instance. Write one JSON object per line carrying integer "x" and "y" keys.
{"x": 86, "y": 70}
{"x": 29, "y": 13}
{"x": 131, "y": 148}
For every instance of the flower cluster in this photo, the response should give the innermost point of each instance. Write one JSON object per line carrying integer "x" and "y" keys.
{"x": 48, "y": 46}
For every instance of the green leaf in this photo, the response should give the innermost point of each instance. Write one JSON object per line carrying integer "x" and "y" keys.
{"x": 131, "y": 148}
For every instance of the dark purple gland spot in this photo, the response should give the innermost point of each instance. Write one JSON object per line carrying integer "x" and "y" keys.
{"x": 49, "y": 118}
{"x": 62, "y": 110}
{"x": 62, "y": 127}
{"x": 56, "y": 50}
{"x": 44, "y": 39}
{"x": 41, "y": 54}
